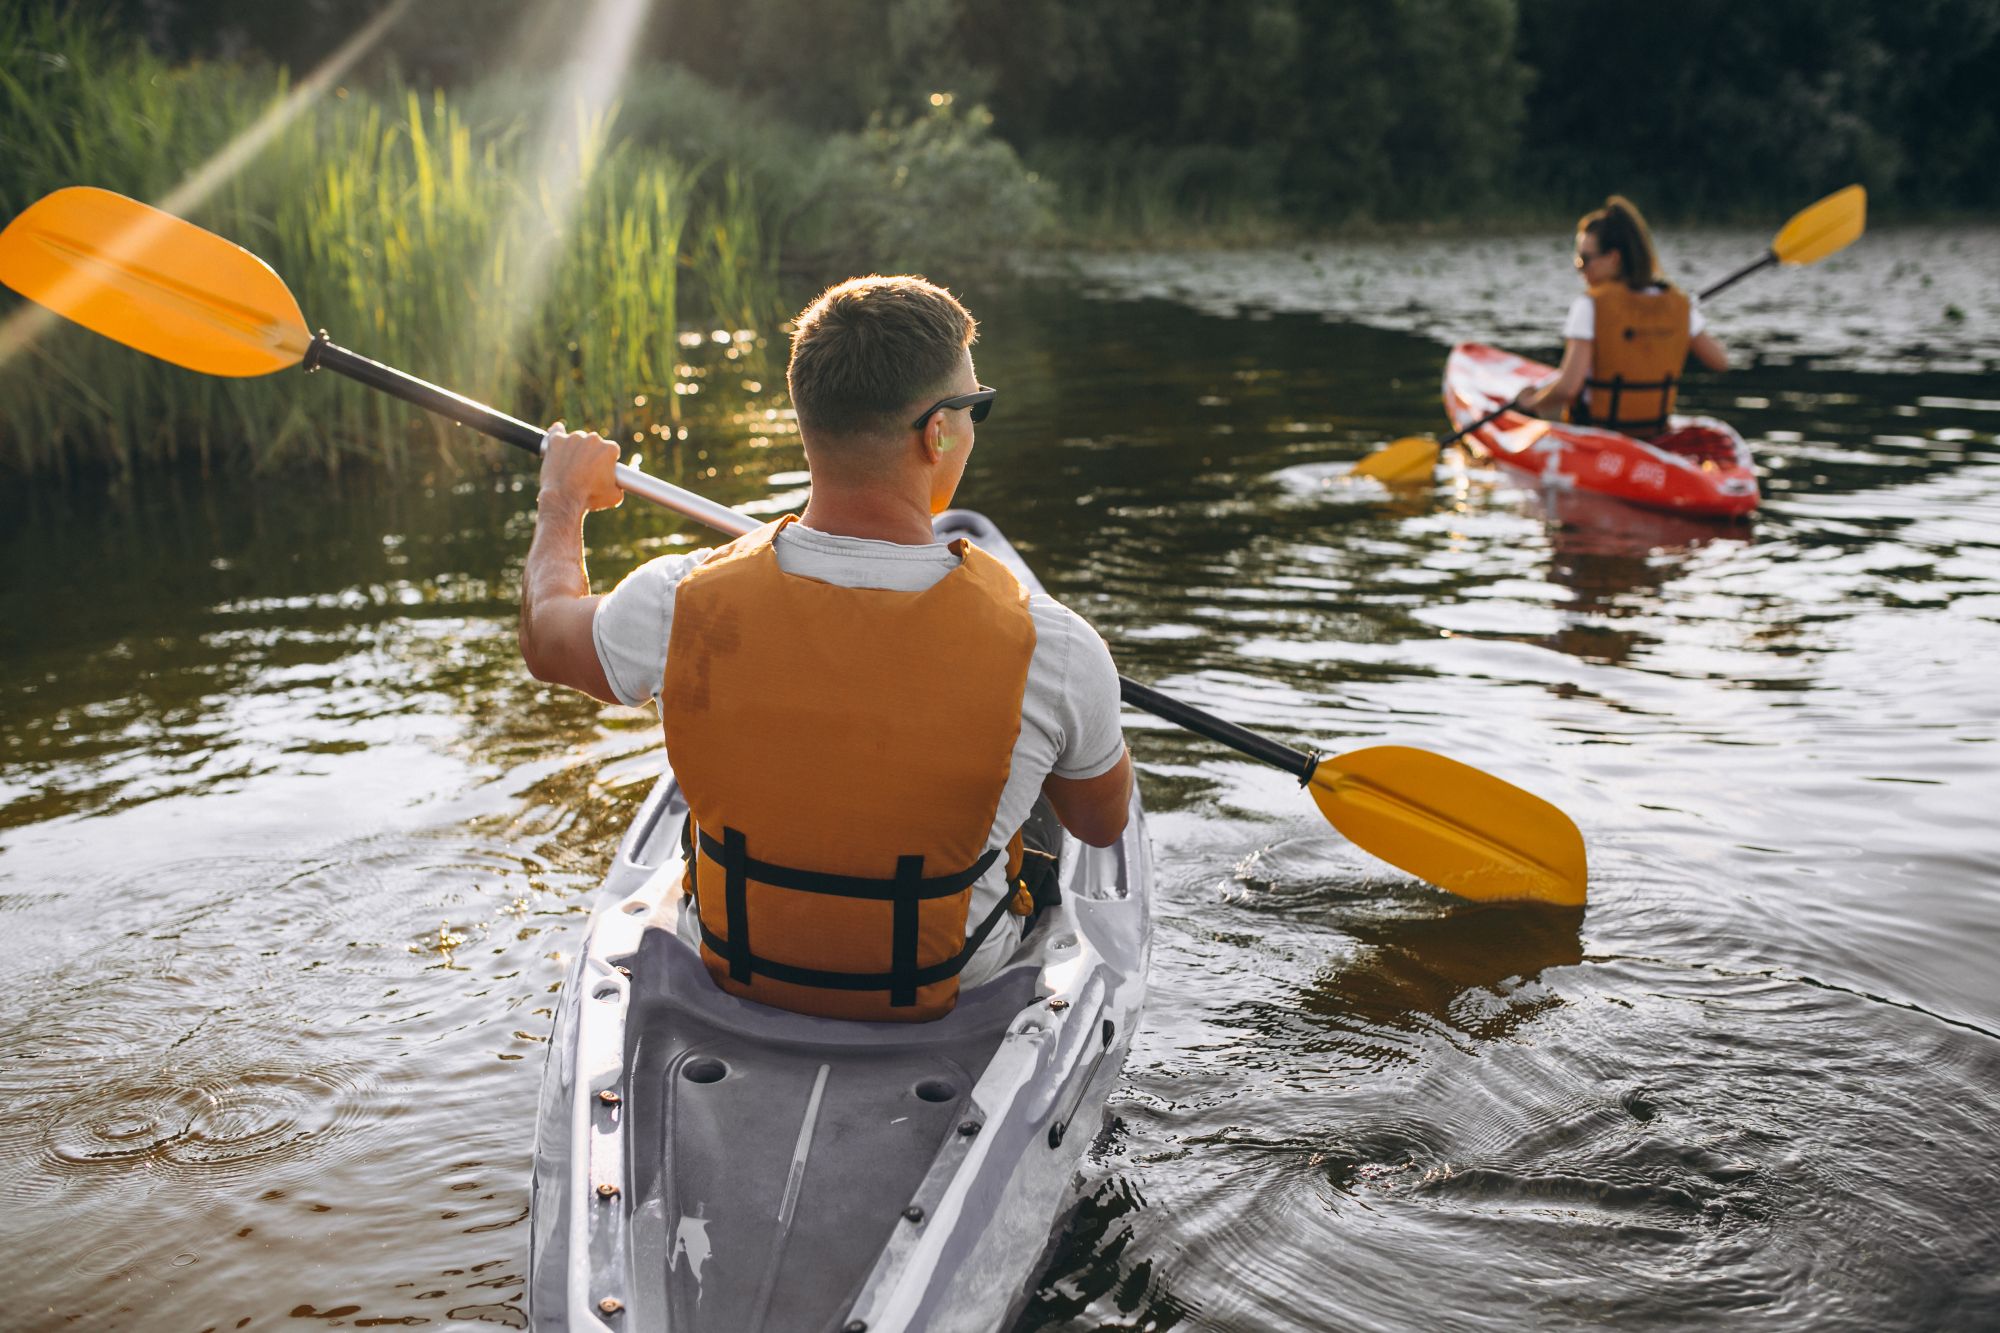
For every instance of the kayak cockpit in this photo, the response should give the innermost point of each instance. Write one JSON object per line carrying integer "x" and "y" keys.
{"x": 754, "y": 1169}
{"x": 838, "y": 1127}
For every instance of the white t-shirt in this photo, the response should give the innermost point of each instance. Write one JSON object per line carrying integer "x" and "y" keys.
{"x": 1069, "y": 709}
{"x": 1582, "y": 321}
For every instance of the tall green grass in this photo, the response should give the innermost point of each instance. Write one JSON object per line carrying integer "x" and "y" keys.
{"x": 413, "y": 231}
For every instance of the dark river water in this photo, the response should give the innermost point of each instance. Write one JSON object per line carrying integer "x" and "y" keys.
{"x": 292, "y": 852}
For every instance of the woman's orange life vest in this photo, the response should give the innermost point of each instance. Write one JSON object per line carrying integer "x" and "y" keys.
{"x": 843, "y": 751}
{"x": 1641, "y": 343}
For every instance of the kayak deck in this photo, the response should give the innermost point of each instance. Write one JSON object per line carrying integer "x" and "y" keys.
{"x": 769, "y": 1170}
{"x": 1698, "y": 466}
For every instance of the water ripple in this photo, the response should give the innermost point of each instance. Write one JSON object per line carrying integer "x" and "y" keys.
{"x": 211, "y": 1127}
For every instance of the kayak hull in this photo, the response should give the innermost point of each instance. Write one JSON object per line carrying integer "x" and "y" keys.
{"x": 769, "y": 1170}
{"x": 1700, "y": 466}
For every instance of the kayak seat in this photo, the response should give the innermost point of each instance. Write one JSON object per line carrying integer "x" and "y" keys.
{"x": 758, "y": 1241}
{"x": 1697, "y": 444}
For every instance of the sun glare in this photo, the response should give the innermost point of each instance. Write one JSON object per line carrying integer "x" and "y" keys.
{"x": 587, "y": 83}
{"x": 20, "y": 330}
{"x": 237, "y": 153}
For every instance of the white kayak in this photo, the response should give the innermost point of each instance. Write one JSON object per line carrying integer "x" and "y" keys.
{"x": 707, "y": 1163}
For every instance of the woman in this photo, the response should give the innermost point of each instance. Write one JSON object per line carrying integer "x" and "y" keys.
{"x": 1627, "y": 338}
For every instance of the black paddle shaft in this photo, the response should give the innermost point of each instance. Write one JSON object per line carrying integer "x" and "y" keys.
{"x": 1756, "y": 266}
{"x": 1298, "y": 763}
{"x": 1486, "y": 420}
{"x": 325, "y": 354}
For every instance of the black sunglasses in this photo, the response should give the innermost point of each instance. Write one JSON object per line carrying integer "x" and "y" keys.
{"x": 981, "y": 403}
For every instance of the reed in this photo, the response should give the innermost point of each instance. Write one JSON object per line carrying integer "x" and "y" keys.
{"x": 413, "y": 231}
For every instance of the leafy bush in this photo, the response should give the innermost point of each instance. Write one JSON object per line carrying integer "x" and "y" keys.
{"x": 909, "y": 193}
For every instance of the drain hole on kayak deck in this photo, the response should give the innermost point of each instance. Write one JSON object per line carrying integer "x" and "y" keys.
{"x": 936, "y": 1090}
{"x": 707, "y": 1069}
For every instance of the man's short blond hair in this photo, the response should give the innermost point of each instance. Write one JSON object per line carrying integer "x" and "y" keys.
{"x": 870, "y": 352}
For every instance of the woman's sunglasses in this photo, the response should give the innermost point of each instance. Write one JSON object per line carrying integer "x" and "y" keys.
{"x": 980, "y": 402}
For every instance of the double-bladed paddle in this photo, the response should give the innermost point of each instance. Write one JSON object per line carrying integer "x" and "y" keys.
{"x": 1821, "y": 229}
{"x": 168, "y": 288}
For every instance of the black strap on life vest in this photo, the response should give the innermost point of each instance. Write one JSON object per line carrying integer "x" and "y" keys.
{"x": 1619, "y": 386}
{"x": 905, "y": 890}
{"x": 736, "y": 900}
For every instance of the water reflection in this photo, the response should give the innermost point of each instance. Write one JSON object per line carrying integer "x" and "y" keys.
{"x": 1616, "y": 561}
{"x": 1472, "y": 970}
{"x": 1093, "y": 1249}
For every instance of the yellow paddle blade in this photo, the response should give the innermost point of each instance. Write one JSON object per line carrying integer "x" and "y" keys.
{"x": 1452, "y": 825}
{"x": 1832, "y": 224}
{"x": 151, "y": 281}
{"x": 1411, "y": 458}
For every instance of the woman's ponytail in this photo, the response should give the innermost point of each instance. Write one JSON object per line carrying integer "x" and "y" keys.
{"x": 1619, "y": 227}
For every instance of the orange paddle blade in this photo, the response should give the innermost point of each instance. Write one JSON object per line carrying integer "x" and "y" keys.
{"x": 1453, "y": 826}
{"x": 1412, "y": 458}
{"x": 1818, "y": 230}
{"x": 153, "y": 282}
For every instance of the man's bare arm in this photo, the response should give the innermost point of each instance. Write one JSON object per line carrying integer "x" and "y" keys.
{"x": 556, "y": 605}
{"x": 1094, "y": 809}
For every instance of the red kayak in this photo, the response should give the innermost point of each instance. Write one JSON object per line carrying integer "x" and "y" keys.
{"x": 1700, "y": 466}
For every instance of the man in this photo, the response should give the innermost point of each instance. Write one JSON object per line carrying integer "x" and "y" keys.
{"x": 861, "y": 717}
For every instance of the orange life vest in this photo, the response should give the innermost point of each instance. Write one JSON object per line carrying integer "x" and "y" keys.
{"x": 843, "y": 751}
{"x": 1640, "y": 346}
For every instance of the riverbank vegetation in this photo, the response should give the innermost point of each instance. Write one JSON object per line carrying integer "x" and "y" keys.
{"x": 511, "y": 240}
{"x": 1152, "y": 119}
{"x": 456, "y": 206}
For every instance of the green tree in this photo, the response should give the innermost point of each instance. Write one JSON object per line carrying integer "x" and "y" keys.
{"x": 1710, "y": 107}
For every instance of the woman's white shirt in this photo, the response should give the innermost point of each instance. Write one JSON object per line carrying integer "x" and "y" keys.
{"x": 1582, "y": 321}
